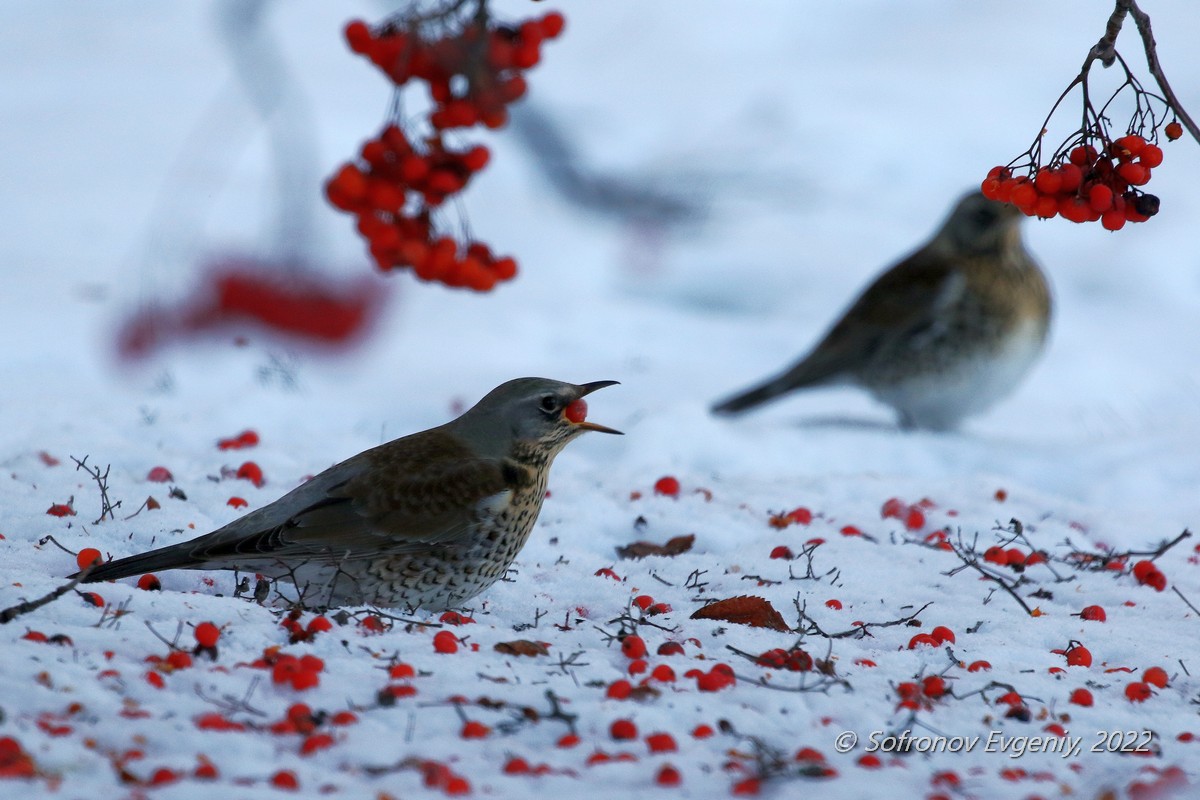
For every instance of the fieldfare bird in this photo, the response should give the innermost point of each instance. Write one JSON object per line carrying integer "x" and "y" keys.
{"x": 425, "y": 521}
{"x": 940, "y": 336}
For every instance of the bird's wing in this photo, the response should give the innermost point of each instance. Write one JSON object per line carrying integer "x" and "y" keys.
{"x": 421, "y": 491}
{"x": 902, "y": 303}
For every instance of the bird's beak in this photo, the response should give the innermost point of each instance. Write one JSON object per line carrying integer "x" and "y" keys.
{"x": 586, "y": 389}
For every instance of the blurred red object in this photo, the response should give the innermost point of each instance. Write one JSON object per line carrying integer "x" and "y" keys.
{"x": 242, "y": 296}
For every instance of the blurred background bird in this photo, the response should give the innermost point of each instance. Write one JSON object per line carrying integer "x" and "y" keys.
{"x": 941, "y": 335}
{"x": 425, "y": 521}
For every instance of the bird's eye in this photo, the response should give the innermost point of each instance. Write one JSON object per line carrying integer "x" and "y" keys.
{"x": 550, "y": 404}
{"x": 985, "y": 217}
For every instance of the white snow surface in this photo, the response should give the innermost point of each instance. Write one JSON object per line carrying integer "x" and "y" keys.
{"x": 830, "y": 139}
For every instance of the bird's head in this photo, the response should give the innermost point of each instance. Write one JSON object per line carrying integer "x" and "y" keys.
{"x": 978, "y": 225}
{"x": 532, "y": 411}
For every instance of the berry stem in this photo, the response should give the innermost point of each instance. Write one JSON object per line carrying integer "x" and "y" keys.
{"x": 1105, "y": 51}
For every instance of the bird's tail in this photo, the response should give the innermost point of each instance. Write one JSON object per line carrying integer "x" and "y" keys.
{"x": 743, "y": 401}
{"x": 175, "y": 556}
{"x": 811, "y": 371}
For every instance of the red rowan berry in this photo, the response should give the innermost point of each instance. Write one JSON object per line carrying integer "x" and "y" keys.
{"x": 1100, "y": 197}
{"x": 942, "y": 634}
{"x": 1138, "y": 692}
{"x": 445, "y": 642}
{"x": 207, "y": 634}
{"x": 1079, "y": 656}
{"x": 159, "y": 475}
{"x": 633, "y": 646}
{"x": 1151, "y": 156}
{"x": 1113, "y": 219}
{"x": 1048, "y": 181}
{"x": 1156, "y": 676}
{"x": 1071, "y": 175}
{"x": 667, "y": 485}
{"x": 668, "y": 776}
{"x": 623, "y": 729}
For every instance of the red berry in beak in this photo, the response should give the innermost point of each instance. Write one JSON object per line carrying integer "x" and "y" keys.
{"x": 577, "y": 411}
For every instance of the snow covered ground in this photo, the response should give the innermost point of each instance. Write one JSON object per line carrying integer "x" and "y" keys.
{"x": 826, "y": 141}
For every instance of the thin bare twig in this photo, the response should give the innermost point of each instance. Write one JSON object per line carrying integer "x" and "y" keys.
{"x": 1142, "y": 20}
{"x": 1186, "y": 602}
{"x": 12, "y": 612}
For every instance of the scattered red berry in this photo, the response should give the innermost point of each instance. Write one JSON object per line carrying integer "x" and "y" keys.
{"x": 633, "y": 646}
{"x": 1082, "y": 697}
{"x": 800, "y": 516}
{"x": 242, "y": 440}
{"x": 285, "y": 779}
{"x": 623, "y": 729}
{"x": 1079, "y": 656}
{"x": 1138, "y": 692}
{"x": 149, "y": 582}
{"x": 661, "y": 743}
{"x": 894, "y": 508}
{"x": 61, "y": 510}
{"x": 1147, "y": 574}
{"x": 922, "y": 639}
{"x": 473, "y": 729}
{"x": 668, "y": 776}
{"x": 207, "y": 634}
{"x": 942, "y": 634}
{"x": 663, "y": 673}
{"x": 619, "y": 689}
{"x": 445, "y": 642}
{"x": 163, "y": 776}
{"x": 516, "y": 766}
{"x": 251, "y": 472}
{"x": 667, "y": 486}
{"x": 87, "y": 557}
{"x": 1156, "y": 676}
{"x": 401, "y": 670}
{"x": 160, "y": 475}
{"x": 1094, "y": 613}
{"x": 747, "y": 787}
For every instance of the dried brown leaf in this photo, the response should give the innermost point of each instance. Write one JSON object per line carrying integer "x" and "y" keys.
{"x": 744, "y": 610}
{"x": 673, "y": 547}
{"x": 522, "y": 647}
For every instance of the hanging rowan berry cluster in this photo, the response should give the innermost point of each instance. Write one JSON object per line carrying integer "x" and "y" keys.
{"x": 1095, "y": 175}
{"x": 1092, "y": 176}
{"x": 1089, "y": 185}
{"x": 400, "y": 183}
